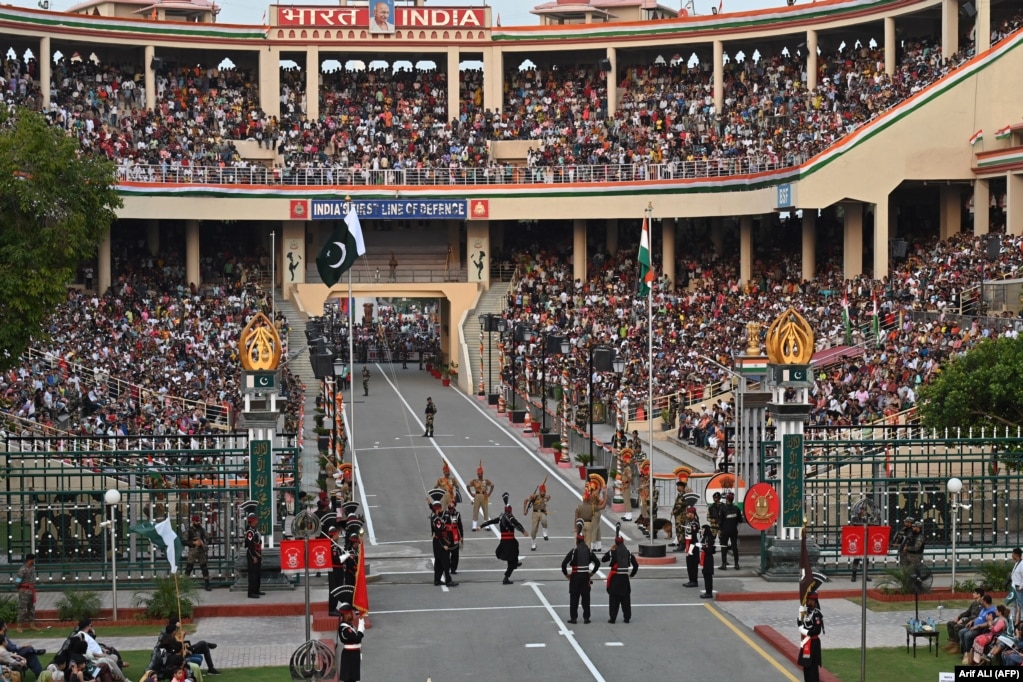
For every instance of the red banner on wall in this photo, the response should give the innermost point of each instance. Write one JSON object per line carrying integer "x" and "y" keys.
{"x": 404, "y": 17}
{"x": 293, "y": 555}
{"x": 874, "y": 537}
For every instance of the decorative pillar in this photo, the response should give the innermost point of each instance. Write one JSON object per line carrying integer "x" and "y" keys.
{"x": 493, "y": 68}
{"x": 717, "y": 236}
{"x": 950, "y": 211}
{"x": 668, "y": 248}
{"x": 852, "y": 240}
{"x": 745, "y": 249}
{"x": 949, "y": 28}
{"x": 809, "y": 243}
{"x": 312, "y": 82}
{"x": 882, "y": 210}
{"x": 477, "y": 238}
{"x": 719, "y": 76}
{"x": 982, "y": 29}
{"x": 153, "y": 237}
{"x": 981, "y": 206}
{"x": 147, "y": 63}
{"x": 292, "y": 266}
{"x": 270, "y": 81}
{"x": 612, "y": 82}
{"x": 103, "y": 264}
{"x": 1013, "y": 203}
{"x": 811, "y": 60}
{"x": 454, "y": 106}
{"x": 45, "y": 64}
{"x": 192, "y": 274}
{"x": 579, "y": 249}
{"x": 612, "y": 237}
{"x": 889, "y": 46}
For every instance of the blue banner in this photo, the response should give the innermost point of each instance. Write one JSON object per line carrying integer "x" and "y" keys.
{"x": 392, "y": 209}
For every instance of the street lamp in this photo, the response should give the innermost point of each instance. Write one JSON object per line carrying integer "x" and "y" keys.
{"x": 491, "y": 322}
{"x": 522, "y": 333}
{"x": 554, "y": 344}
{"x": 112, "y": 498}
{"x": 740, "y": 390}
{"x": 601, "y": 360}
{"x": 955, "y": 486}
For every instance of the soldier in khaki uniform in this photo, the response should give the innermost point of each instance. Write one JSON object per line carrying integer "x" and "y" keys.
{"x": 598, "y": 501}
{"x": 538, "y": 503}
{"x": 446, "y": 483}
{"x": 647, "y": 507}
{"x": 480, "y": 488}
{"x": 625, "y": 481}
{"x": 584, "y": 512}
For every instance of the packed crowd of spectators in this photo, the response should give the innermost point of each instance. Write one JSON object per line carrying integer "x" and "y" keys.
{"x": 382, "y": 126}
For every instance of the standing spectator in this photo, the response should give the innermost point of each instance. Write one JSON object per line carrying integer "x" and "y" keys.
{"x": 1016, "y": 584}
{"x": 393, "y": 264}
{"x": 26, "y": 584}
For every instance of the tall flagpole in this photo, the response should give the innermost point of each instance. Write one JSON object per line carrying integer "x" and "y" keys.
{"x": 650, "y": 366}
{"x": 351, "y": 363}
{"x": 273, "y": 276}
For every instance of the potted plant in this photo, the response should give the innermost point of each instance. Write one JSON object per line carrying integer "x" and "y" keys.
{"x": 450, "y": 371}
{"x": 584, "y": 460}
{"x": 665, "y": 420}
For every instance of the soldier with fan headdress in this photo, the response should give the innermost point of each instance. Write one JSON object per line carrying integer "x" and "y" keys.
{"x": 707, "y": 561}
{"x": 647, "y": 506}
{"x": 448, "y": 484}
{"x": 441, "y": 545}
{"x": 678, "y": 511}
{"x": 598, "y": 501}
{"x": 508, "y": 547}
{"x": 336, "y": 578}
{"x": 538, "y": 503}
{"x": 623, "y": 566}
{"x": 342, "y": 478}
{"x": 456, "y": 534}
{"x": 584, "y": 513}
{"x": 579, "y": 560}
{"x": 350, "y": 631}
{"x": 624, "y": 477}
{"x": 811, "y": 627}
{"x": 480, "y": 488}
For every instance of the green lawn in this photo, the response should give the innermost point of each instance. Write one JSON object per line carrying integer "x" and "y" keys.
{"x": 891, "y": 664}
{"x": 138, "y": 660}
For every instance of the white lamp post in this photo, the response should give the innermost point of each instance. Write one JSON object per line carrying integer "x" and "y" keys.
{"x": 112, "y": 498}
{"x": 954, "y": 486}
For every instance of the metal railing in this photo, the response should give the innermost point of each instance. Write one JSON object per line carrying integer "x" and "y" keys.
{"x": 490, "y": 175}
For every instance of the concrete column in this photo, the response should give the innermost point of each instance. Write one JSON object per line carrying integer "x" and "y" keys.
{"x": 612, "y": 236}
{"x": 852, "y": 238}
{"x": 719, "y": 76}
{"x": 292, "y": 266}
{"x": 493, "y": 79}
{"x": 192, "y": 274}
{"x": 982, "y": 38}
{"x": 270, "y": 81}
{"x": 1013, "y": 203}
{"x": 150, "y": 83}
{"x": 882, "y": 210}
{"x": 890, "y": 47}
{"x": 981, "y": 207}
{"x": 612, "y": 82}
{"x": 45, "y": 64}
{"x": 745, "y": 249}
{"x": 809, "y": 244}
{"x": 312, "y": 82}
{"x": 453, "y": 102}
{"x": 811, "y": 60}
{"x": 717, "y": 235}
{"x": 579, "y": 249}
{"x": 477, "y": 237}
{"x": 950, "y": 211}
{"x": 153, "y": 237}
{"x": 103, "y": 264}
{"x": 949, "y": 28}
{"x": 456, "y": 252}
{"x": 668, "y": 248}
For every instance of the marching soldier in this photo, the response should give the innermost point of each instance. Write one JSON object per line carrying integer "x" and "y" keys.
{"x": 691, "y": 545}
{"x": 480, "y": 488}
{"x": 707, "y": 561}
{"x": 431, "y": 411}
{"x": 619, "y": 586}
{"x": 448, "y": 485}
{"x": 508, "y": 547}
{"x": 625, "y": 480}
{"x": 195, "y": 538}
{"x": 731, "y": 516}
{"x": 253, "y": 555}
{"x": 538, "y": 503}
{"x": 456, "y": 535}
{"x": 365, "y": 381}
{"x": 598, "y": 501}
{"x": 441, "y": 547}
{"x": 811, "y": 627}
{"x": 580, "y": 559}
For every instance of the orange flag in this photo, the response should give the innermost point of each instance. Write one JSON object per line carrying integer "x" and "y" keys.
{"x": 360, "y": 600}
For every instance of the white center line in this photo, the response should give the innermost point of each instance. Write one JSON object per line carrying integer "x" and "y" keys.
{"x": 569, "y": 635}
{"x": 536, "y": 645}
{"x": 613, "y": 644}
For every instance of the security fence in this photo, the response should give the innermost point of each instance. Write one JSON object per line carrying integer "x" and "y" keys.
{"x": 905, "y": 471}
{"x": 53, "y": 494}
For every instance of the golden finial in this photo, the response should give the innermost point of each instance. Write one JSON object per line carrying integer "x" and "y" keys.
{"x": 259, "y": 345}
{"x": 790, "y": 339}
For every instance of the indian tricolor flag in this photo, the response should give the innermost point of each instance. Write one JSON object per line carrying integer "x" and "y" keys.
{"x": 646, "y": 273}
{"x": 876, "y": 322}
{"x": 847, "y": 323}
{"x": 1003, "y": 133}
{"x": 976, "y": 137}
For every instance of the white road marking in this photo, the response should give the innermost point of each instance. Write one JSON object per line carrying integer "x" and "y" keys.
{"x": 536, "y": 645}
{"x": 569, "y": 636}
{"x": 358, "y": 480}
{"x": 456, "y": 609}
{"x": 613, "y": 644}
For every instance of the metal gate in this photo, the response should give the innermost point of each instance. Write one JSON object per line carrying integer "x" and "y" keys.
{"x": 54, "y": 490}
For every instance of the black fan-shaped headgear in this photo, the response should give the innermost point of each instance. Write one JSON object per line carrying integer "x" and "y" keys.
{"x": 504, "y": 496}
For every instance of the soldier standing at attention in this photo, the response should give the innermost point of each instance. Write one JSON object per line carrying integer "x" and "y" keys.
{"x": 26, "y": 582}
{"x": 598, "y": 501}
{"x": 625, "y": 481}
{"x": 480, "y": 488}
{"x": 619, "y": 586}
{"x": 707, "y": 561}
{"x": 678, "y": 515}
{"x": 580, "y": 559}
{"x": 456, "y": 535}
{"x": 441, "y": 547}
{"x": 811, "y": 627}
{"x": 195, "y": 538}
{"x": 714, "y": 514}
{"x": 691, "y": 546}
{"x": 431, "y": 410}
{"x": 508, "y": 547}
{"x": 365, "y": 381}
{"x": 253, "y": 555}
{"x": 349, "y": 637}
{"x": 731, "y": 515}
{"x": 538, "y": 502}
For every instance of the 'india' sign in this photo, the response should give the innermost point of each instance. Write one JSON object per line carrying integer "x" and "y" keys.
{"x": 404, "y": 17}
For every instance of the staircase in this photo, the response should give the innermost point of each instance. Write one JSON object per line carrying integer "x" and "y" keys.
{"x": 492, "y": 301}
{"x": 302, "y": 369}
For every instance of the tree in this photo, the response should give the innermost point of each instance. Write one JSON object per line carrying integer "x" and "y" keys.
{"x": 980, "y": 390}
{"x": 56, "y": 204}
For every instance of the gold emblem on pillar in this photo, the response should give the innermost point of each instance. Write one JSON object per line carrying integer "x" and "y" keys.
{"x": 790, "y": 339}
{"x": 752, "y": 338}
{"x": 259, "y": 345}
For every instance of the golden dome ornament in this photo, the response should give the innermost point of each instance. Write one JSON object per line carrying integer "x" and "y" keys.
{"x": 259, "y": 345}
{"x": 790, "y": 339}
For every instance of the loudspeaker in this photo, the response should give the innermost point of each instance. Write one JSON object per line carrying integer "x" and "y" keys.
{"x": 994, "y": 246}
{"x": 604, "y": 65}
{"x": 969, "y": 10}
{"x": 156, "y": 63}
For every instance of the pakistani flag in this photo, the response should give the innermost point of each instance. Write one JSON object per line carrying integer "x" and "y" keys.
{"x": 345, "y": 245}
{"x": 163, "y": 536}
{"x": 646, "y": 273}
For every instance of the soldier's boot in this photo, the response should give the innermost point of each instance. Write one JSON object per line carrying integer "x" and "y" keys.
{"x": 736, "y": 566}
{"x": 534, "y": 546}
{"x": 545, "y": 536}
{"x": 207, "y": 585}
{"x": 724, "y": 566}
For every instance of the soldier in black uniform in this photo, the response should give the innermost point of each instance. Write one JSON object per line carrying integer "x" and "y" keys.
{"x": 350, "y": 632}
{"x": 691, "y": 546}
{"x": 729, "y": 520}
{"x": 431, "y": 410}
{"x": 707, "y": 561}
{"x": 455, "y": 531}
{"x": 336, "y": 577}
{"x": 441, "y": 547}
{"x": 253, "y": 555}
{"x": 811, "y": 627}
{"x": 619, "y": 586}
{"x": 580, "y": 559}
{"x": 508, "y": 547}
{"x": 198, "y": 553}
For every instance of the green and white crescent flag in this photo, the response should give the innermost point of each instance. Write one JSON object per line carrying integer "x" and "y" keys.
{"x": 163, "y": 536}
{"x": 345, "y": 245}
